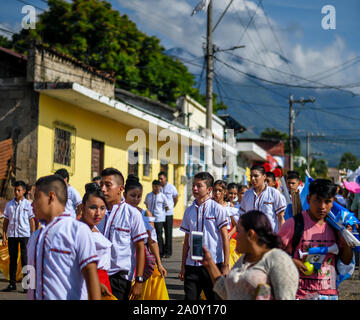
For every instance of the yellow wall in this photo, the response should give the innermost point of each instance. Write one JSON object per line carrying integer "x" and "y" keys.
{"x": 90, "y": 126}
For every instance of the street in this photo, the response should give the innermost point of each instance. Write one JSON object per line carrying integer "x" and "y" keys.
{"x": 349, "y": 289}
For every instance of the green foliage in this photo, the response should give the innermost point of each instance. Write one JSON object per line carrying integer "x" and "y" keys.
{"x": 349, "y": 161}
{"x": 284, "y": 137}
{"x": 5, "y": 42}
{"x": 318, "y": 169}
{"x": 94, "y": 33}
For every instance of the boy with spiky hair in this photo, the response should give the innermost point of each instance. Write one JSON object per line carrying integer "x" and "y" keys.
{"x": 62, "y": 253}
{"x": 209, "y": 217}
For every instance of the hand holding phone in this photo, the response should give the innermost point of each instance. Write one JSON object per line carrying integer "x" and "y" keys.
{"x": 196, "y": 245}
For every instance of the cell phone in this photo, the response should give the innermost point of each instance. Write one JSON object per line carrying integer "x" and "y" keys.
{"x": 196, "y": 245}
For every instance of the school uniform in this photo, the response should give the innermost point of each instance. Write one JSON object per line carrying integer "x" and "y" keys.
{"x": 19, "y": 215}
{"x": 124, "y": 227}
{"x": 270, "y": 201}
{"x": 170, "y": 192}
{"x": 156, "y": 204}
{"x": 58, "y": 252}
{"x": 208, "y": 218}
{"x": 73, "y": 201}
{"x": 103, "y": 251}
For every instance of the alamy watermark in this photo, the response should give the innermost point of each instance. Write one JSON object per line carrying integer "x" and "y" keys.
{"x": 329, "y": 20}
{"x": 29, "y": 20}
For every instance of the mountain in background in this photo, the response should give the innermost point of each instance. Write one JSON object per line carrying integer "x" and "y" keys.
{"x": 259, "y": 105}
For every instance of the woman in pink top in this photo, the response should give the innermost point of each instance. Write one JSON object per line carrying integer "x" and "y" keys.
{"x": 321, "y": 283}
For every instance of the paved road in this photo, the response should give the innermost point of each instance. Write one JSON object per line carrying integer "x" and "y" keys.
{"x": 349, "y": 289}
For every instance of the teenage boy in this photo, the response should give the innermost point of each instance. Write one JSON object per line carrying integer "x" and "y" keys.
{"x": 124, "y": 227}
{"x": 172, "y": 196}
{"x": 209, "y": 217}
{"x": 310, "y": 229}
{"x": 18, "y": 225}
{"x": 74, "y": 198}
{"x": 157, "y": 203}
{"x": 264, "y": 198}
{"x": 270, "y": 179}
{"x": 293, "y": 181}
{"x": 62, "y": 253}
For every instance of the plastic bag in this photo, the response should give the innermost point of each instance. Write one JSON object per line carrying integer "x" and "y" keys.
{"x": 154, "y": 288}
{"x": 5, "y": 263}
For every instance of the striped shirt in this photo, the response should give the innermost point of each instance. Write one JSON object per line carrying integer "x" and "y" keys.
{"x": 270, "y": 201}
{"x": 19, "y": 215}
{"x": 208, "y": 218}
{"x": 124, "y": 226}
{"x": 58, "y": 252}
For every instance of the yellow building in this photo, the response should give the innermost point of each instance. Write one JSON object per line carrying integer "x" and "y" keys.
{"x": 82, "y": 131}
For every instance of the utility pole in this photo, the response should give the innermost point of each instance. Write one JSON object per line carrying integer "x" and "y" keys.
{"x": 308, "y": 151}
{"x": 302, "y": 101}
{"x": 209, "y": 69}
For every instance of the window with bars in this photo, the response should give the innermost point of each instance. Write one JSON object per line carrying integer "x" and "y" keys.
{"x": 133, "y": 162}
{"x": 147, "y": 164}
{"x": 62, "y": 147}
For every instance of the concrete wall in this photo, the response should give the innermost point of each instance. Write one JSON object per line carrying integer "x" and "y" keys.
{"x": 18, "y": 120}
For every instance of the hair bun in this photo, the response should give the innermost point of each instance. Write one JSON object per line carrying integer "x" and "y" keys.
{"x": 132, "y": 179}
{"x": 92, "y": 187}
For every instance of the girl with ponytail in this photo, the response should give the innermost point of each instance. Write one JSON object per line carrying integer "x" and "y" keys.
{"x": 263, "y": 272}
{"x": 133, "y": 195}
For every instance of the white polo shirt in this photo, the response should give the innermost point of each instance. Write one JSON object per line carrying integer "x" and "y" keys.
{"x": 209, "y": 218}
{"x": 124, "y": 226}
{"x": 170, "y": 192}
{"x": 19, "y": 215}
{"x": 103, "y": 250}
{"x": 156, "y": 204}
{"x": 59, "y": 251}
{"x": 73, "y": 201}
{"x": 270, "y": 201}
{"x": 233, "y": 212}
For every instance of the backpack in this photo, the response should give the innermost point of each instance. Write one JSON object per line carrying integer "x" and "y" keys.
{"x": 299, "y": 231}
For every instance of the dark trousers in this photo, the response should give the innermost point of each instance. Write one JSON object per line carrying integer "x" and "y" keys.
{"x": 120, "y": 287}
{"x": 13, "y": 246}
{"x": 197, "y": 279}
{"x": 168, "y": 235}
{"x": 158, "y": 228}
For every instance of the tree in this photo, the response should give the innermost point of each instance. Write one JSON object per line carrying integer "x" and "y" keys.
{"x": 282, "y": 136}
{"x": 349, "y": 161}
{"x": 5, "y": 42}
{"x": 94, "y": 33}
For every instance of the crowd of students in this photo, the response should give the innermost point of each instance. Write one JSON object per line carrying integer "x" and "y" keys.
{"x": 107, "y": 245}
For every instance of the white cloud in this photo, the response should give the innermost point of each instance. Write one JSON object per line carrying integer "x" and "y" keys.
{"x": 172, "y": 20}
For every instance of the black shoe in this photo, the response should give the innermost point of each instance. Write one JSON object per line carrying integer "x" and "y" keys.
{"x": 166, "y": 256}
{"x": 10, "y": 287}
{"x": 25, "y": 291}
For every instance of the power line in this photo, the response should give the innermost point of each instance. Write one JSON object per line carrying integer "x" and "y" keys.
{"x": 276, "y": 39}
{"x": 29, "y": 4}
{"x": 285, "y": 84}
{"x": 222, "y": 15}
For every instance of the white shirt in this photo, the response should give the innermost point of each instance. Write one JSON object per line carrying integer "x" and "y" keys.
{"x": 270, "y": 201}
{"x": 124, "y": 226}
{"x": 170, "y": 192}
{"x": 233, "y": 212}
{"x": 208, "y": 218}
{"x": 19, "y": 215}
{"x": 156, "y": 204}
{"x": 73, "y": 200}
{"x": 103, "y": 250}
{"x": 59, "y": 251}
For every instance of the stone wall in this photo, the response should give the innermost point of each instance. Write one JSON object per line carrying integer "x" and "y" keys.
{"x": 48, "y": 65}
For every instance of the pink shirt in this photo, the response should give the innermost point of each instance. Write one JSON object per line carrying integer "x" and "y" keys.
{"x": 322, "y": 281}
